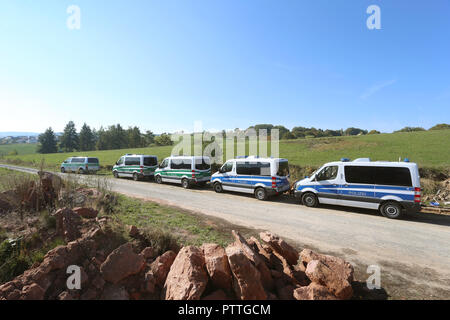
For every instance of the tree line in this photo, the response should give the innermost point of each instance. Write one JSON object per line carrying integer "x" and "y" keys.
{"x": 116, "y": 137}
{"x": 110, "y": 138}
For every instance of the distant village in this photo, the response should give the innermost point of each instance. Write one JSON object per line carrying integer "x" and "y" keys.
{"x": 19, "y": 139}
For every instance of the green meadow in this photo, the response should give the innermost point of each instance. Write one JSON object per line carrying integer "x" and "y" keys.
{"x": 21, "y": 148}
{"x": 430, "y": 149}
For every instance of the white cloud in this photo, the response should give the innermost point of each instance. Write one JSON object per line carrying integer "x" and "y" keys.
{"x": 377, "y": 87}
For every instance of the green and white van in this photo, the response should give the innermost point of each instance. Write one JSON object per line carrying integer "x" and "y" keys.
{"x": 187, "y": 170}
{"x": 136, "y": 166}
{"x": 80, "y": 165}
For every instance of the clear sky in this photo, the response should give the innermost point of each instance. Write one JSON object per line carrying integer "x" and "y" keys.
{"x": 161, "y": 65}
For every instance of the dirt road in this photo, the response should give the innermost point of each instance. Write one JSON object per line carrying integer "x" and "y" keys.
{"x": 413, "y": 253}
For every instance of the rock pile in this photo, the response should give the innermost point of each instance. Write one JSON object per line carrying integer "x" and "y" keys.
{"x": 246, "y": 269}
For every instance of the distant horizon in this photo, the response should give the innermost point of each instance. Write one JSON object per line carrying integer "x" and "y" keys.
{"x": 4, "y": 134}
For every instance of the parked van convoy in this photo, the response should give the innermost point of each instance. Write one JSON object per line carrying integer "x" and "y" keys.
{"x": 390, "y": 187}
{"x": 187, "y": 170}
{"x": 136, "y": 166}
{"x": 80, "y": 165}
{"x": 263, "y": 177}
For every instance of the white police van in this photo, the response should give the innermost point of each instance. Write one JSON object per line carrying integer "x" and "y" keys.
{"x": 263, "y": 177}
{"x": 187, "y": 170}
{"x": 390, "y": 187}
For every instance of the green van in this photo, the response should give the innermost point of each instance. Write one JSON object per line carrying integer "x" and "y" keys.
{"x": 136, "y": 166}
{"x": 186, "y": 170}
{"x": 80, "y": 165}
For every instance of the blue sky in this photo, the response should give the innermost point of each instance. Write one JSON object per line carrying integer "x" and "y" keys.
{"x": 162, "y": 65}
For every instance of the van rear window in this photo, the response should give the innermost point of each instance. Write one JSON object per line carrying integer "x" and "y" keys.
{"x": 150, "y": 161}
{"x": 283, "y": 169}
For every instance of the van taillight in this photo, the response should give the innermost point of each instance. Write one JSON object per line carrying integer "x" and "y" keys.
{"x": 274, "y": 182}
{"x": 142, "y": 169}
{"x": 86, "y": 166}
{"x": 417, "y": 194}
{"x": 193, "y": 174}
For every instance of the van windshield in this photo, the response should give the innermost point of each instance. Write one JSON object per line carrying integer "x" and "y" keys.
{"x": 283, "y": 169}
{"x": 202, "y": 164}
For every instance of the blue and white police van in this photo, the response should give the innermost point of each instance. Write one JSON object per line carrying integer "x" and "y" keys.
{"x": 263, "y": 177}
{"x": 390, "y": 187}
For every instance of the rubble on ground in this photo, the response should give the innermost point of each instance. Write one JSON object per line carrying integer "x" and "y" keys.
{"x": 248, "y": 269}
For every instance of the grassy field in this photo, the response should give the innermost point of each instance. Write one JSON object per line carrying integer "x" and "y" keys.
{"x": 430, "y": 149}
{"x": 21, "y": 148}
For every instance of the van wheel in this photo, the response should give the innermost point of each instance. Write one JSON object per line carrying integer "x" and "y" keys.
{"x": 63, "y": 170}
{"x": 158, "y": 179}
{"x": 310, "y": 200}
{"x": 135, "y": 176}
{"x": 80, "y": 171}
{"x": 116, "y": 174}
{"x": 261, "y": 194}
{"x": 391, "y": 210}
{"x": 218, "y": 187}
{"x": 185, "y": 183}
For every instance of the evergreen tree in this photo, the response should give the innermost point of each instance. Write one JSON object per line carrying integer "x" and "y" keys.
{"x": 47, "y": 142}
{"x": 69, "y": 139}
{"x": 86, "y": 139}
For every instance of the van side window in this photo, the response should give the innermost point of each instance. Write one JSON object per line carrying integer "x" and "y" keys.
{"x": 78, "y": 160}
{"x": 228, "y": 167}
{"x": 393, "y": 176}
{"x": 176, "y": 164}
{"x": 253, "y": 168}
{"x": 186, "y": 164}
{"x": 132, "y": 161}
{"x": 328, "y": 173}
{"x": 150, "y": 161}
{"x": 362, "y": 174}
{"x": 93, "y": 160}
{"x": 202, "y": 164}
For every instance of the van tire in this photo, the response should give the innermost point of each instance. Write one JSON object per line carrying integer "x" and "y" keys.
{"x": 80, "y": 171}
{"x": 63, "y": 170}
{"x": 391, "y": 210}
{"x": 158, "y": 179}
{"x": 135, "y": 176}
{"x": 185, "y": 183}
{"x": 116, "y": 174}
{"x": 218, "y": 187}
{"x": 261, "y": 194}
{"x": 309, "y": 199}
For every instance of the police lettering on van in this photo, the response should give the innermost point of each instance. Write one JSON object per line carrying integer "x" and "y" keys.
{"x": 186, "y": 170}
{"x": 390, "y": 187}
{"x": 136, "y": 166}
{"x": 262, "y": 177}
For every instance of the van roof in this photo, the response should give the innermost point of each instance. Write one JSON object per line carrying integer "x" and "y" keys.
{"x": 256, "y": 158}
{"x": 369, "y": 163}
{"x": 137, "y": 155}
